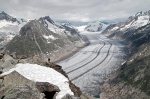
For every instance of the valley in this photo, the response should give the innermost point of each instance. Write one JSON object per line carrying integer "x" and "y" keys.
{"x": 56, "y": 59}
{"x": 90, "y": 67}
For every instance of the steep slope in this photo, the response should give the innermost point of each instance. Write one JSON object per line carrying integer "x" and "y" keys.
{"x": 9, "y": 27}
{"x": 132, "y": 81}
{"x": 34, "y": 38}
{"x": 64, "y": 30}
{"x": 95, "y": 26}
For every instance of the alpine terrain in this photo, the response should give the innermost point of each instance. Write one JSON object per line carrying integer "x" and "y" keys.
{"x": 131, "y": 81}
{"x": 51, "y": 58}
{"x": 9, "y": 27}
{"x": 44, "y": 37}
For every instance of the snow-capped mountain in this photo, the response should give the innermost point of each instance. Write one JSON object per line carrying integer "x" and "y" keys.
{"x": 9, "y": 27}
{"x": 64, "y": 29}
{"x": 138, "y": 20}
{"x": 96, "y": 26}
{"x": 126, "y": 28}
{"x": 43, "y": 36}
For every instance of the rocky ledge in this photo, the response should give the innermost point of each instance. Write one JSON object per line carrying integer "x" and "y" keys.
{"x": 21, "y": 83}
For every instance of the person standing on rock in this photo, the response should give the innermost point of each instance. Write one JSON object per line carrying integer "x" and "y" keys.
{"x": 49, "y": 60}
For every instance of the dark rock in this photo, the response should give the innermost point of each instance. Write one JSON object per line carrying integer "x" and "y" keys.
{"x": 14, "y": 55}
{"x": 45, "y": 86}
{"x": 76, "y": 90}
{"x": 5, "y": 16}
{"x": 1, "y": 71}
{"x": 48, "y": 89}
{"x": 1, "y": 56}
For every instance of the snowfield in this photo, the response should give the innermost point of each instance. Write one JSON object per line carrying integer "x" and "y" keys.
{"x": 49, "y": 37}
{"x": 39, "y": 73}
{"x": 89, "y": 67}
{"x": 8, "y": 30}
{"x": 96, "y": 26}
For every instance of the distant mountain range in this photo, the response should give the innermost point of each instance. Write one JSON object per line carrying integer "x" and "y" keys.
{"x": 124, "y": 29}
{"x": 96, "y": 26}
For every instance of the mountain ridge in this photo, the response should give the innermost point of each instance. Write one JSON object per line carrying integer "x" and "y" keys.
{"x": 131, "y": 81}
{"x": 96, "y": 26}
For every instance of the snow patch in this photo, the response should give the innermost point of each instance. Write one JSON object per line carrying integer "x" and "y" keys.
{"x": 96, "y": 26}
{"x": 141, "y": 21}
{"x": 81, "y": 28}
{"x": 49, "y": 37}
{"x": 39, "y": 73}
{"x": 4, "y": 23}
{"x": 115, "y": 28}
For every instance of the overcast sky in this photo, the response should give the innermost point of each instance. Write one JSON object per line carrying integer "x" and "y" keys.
{"x": 74, "y": 10}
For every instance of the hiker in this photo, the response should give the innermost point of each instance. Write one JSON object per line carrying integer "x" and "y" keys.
{"x": 49, "y": 60}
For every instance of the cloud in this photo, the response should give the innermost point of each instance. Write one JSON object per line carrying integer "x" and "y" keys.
{"x": 74, "y": 10}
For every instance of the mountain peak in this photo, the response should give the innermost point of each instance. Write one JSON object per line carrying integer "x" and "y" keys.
{"x": 3, "y": 12}
{"x": 139, "y": 13}
{"x": 5, "y": 16}
{"x": 96, "y": 26}
{"x": 47, "y": 18}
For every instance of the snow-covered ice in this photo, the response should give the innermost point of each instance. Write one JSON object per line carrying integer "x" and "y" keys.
{"x": 39, "y": 73}
{"x": 94, "y": 62}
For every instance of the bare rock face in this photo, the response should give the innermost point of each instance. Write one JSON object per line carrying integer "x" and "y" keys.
{"x": 7, "y": 62}
{"x": 75, "y": 89}
{"x": 48, "y": 89}
{"x": 21, "y": 92}
{"x": 45, "y": 86}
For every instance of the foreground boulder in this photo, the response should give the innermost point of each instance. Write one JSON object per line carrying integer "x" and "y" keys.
{"x": 16, "y": 79}
{"x": 33, "y": 81}
{"x": 17, "y": 86}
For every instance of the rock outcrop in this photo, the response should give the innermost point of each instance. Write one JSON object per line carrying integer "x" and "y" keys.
{"x": 14, "y": 85}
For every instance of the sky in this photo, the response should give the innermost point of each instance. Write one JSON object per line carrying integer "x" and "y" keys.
{"x": 74, "y": 10}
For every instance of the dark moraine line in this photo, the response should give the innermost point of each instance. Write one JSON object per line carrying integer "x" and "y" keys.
{"x": 88, "y": 61}
{"x": 97, "y": 48}
{"x": 94, "y": 66}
